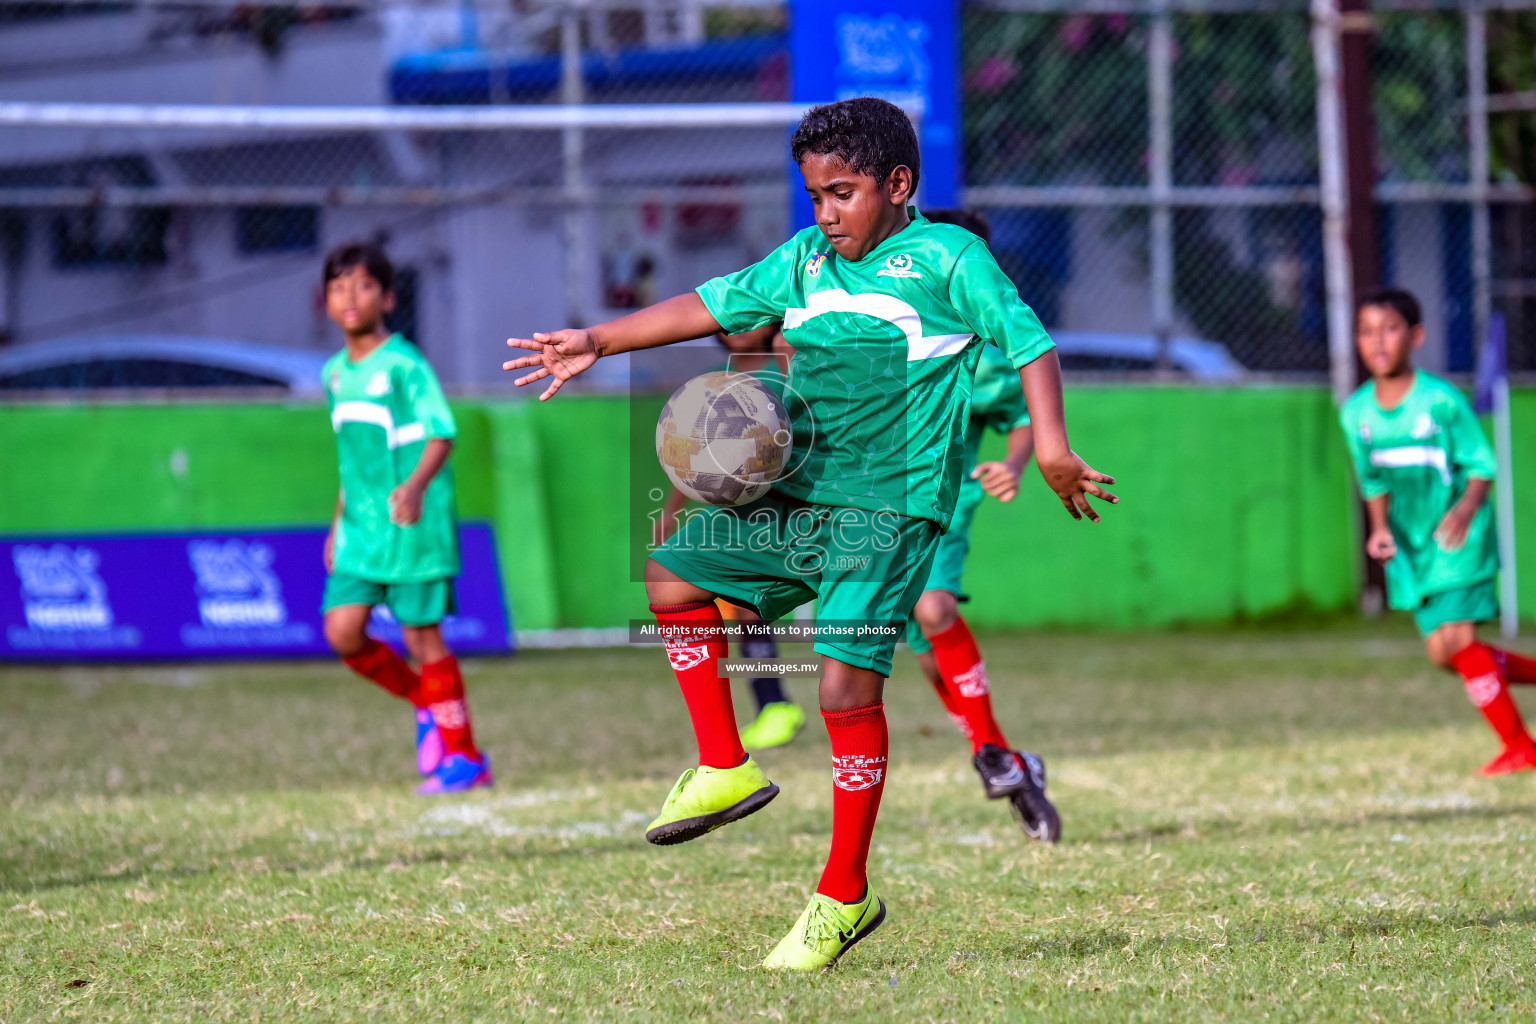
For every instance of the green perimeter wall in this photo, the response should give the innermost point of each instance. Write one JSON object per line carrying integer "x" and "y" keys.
{"x": 1235, "y": 502}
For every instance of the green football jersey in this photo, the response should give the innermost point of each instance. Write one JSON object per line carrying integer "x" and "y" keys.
{"x": 384, "y": 409}
{"x": 886, "y": 349}
{"x": 1422, "y": 453}
{"x": 997, "y": 403}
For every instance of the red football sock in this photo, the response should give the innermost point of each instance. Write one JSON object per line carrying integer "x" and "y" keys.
{"x": 965, "y": 675}
{"x": 1485, "y": 686}
{"x": 695, "y": 639}
{"x": 442, "y": 692}
{"x": 379, "y": 664}
{"x": 950, "y": 707}
{"x": 860, "y": 746}
{"x": 1517, "y": 668}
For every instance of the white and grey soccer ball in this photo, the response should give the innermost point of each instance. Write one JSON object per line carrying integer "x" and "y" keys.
{"x": 724, "y": 438}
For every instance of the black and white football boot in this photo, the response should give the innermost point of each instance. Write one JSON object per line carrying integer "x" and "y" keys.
{"x": 1001, "y": 774}
{"x": 1034, "y": 810}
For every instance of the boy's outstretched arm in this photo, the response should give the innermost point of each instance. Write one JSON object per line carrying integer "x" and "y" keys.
{"x": 1069, "y": 476}
{"x": 405, "y": 500}
{"x": 1001, "y": 479}
{"x": 1379, "y": 543}
{"x": 564, "y": 354}
{"x": 1451, "y": 533}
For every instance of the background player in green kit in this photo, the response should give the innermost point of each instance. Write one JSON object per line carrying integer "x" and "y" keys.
{"x": 1425, "y": 469}
{"x": 887, "y": 313}
{"x": 937, "y": 634}
{"x": 394, "y": 538}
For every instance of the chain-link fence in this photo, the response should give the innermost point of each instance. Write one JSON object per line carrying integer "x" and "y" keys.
{"x": 1151, "y": 170}
{"x": 1062, "y": 125}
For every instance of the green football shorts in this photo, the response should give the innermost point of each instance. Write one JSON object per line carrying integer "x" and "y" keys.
{"x": 864, "y": 569}
{"x": 413, "y": 604}
{"x": 1476, "y": 603}
{"x": 949, "y": 560}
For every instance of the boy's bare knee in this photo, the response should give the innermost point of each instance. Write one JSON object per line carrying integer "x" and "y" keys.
{"x": 844, "y": 686}
{"x": 345, "y": 633}
{"x": 663, "y": 587}
{"x": 1447, "y": 641}
{"x": 425, "y": 643}
{"x": 936, "y": 611}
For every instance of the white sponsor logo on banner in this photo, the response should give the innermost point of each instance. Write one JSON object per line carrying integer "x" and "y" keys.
{"x": 236, "y": 587}
{"x": 60, "y": 587}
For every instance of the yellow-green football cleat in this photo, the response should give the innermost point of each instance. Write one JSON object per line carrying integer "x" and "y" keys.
{"x": 706, "y": 798}
{"x": 776, "y": 725}
{"x": 825, "y": 931}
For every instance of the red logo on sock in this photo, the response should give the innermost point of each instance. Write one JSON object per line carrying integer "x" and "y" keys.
{"x": 449, "y": 714}
{"x": 684, "y": 657}
{"x": 854, "y": 772}
{"x": 973, "y": 681}
{"x": 1483, "y": 689}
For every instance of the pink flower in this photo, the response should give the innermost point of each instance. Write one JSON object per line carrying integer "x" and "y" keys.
{"x": 994, "y": 75}
{"x": 1076, "y": 32}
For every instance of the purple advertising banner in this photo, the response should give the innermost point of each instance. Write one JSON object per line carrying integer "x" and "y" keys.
{"x": 231, "y": 594}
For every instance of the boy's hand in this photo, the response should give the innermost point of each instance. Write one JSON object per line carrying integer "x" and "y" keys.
{"x": 330, "y": 549}
{"x": 997, "y": 479}
{"x": 1451, "y": 534}
{"x": 1381, "y": 545}
{"x": 1073, "y": 480}
{"x": 561, "y": 355}
{"x": 405, "y": 505}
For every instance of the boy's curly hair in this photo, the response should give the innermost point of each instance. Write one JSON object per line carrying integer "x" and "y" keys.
{"x": 872, "y": 136}
{"x": 367, "y": 255}
{"x": 1399, "y": 299}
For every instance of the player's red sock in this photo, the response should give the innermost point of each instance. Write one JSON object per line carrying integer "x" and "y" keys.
{"x": 860, "y": 747}
{"x": 442, "y": 693}
{"x": 1485, "y": 686}
{"x": 379, "y": 664}
{"x": 695, "y": 639}
{"x": 1517, "y": 668}
{"x": 965, "y": 674}
{"x": 950, "y": 707}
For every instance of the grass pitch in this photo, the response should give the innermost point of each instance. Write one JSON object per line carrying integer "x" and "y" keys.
{"x": 1275, "y": 825}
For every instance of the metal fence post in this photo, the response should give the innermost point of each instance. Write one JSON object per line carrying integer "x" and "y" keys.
{"x": 1160, "y": 173}
{"x": 1335, "y": 203}
{"x": 572, "y": 92}
{"x": 1478, "y": 167}
{"x": 1482, "y": 305}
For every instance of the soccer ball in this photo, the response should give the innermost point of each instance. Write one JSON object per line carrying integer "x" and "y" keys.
{"x": 723, "y": 438}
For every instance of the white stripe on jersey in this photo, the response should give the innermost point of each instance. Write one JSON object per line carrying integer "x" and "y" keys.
{"x": 882, "y": 307}
{"x": 379, "y": 416}
{"x": 1413, "y": 455}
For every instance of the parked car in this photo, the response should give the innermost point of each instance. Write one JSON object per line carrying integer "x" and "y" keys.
{"x": 1106, "y": 351}
{"x": 159, "y": 361}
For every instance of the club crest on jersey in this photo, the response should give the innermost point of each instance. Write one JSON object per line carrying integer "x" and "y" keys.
{"x": 1425, "y": 426}
{"x": 335, "y": 381}
{"x": 378, "y": 385}
{"x": 813, "y": 265}
{"x": 854, "y": 772}
{"x": 685, "y": 656}
{"x": 1365, "y": 433}
{"x": 899, "y": 265}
